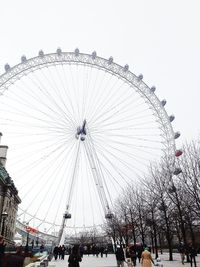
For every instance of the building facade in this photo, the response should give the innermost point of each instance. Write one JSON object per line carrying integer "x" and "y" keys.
{"x": 9, "y": 200}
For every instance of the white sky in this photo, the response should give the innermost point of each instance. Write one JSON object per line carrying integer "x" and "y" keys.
{"x": 157, "y": 38}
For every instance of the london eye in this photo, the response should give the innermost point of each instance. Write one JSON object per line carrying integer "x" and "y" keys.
{"x": 80, "y": 129}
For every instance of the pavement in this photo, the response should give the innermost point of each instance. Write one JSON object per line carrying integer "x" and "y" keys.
{"x": 110, "y": 261}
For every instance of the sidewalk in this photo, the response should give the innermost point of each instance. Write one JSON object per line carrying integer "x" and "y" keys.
{"x": 110, "y": 261}
{"x": 176, "y": 260}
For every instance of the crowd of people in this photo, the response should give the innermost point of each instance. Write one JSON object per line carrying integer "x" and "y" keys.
{"x": 59, "y": 252}
{"x": 131, "y": 253}
{"x": 127, "y": 256}
{"x": 188, "y": 251}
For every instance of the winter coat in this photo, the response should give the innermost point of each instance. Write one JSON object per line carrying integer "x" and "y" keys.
{"x": 146, "y": 259}
{"x": 120, "y": 254}
{"x": 74, "y": 260}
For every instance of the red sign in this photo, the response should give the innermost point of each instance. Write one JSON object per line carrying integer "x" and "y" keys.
{"x": 31, "y": 230}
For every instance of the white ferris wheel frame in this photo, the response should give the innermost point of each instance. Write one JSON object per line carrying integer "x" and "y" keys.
{"x": 26, "y": 66}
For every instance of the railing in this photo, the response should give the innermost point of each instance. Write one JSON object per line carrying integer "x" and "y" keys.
{"x": 42, "y": 261}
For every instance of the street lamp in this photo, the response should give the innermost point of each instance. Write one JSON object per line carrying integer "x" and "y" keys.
{"x": 27, "y": 238}
{"x": 4, "y": 216}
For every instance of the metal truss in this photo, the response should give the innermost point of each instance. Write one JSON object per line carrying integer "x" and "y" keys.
{"x": 136, "y": 82}
{"x": 12, "y": 74}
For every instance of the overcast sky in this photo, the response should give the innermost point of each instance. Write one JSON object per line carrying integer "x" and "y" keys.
{"x": 160, "y": 39}
{"x": 157, "y": 38}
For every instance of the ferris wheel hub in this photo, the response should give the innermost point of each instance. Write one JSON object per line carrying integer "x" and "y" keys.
{"x": 81, "y": 131}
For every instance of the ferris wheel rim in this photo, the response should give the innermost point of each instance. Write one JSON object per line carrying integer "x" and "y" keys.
{"x": 35, "y": 63}
{"x": 42, "y": 60}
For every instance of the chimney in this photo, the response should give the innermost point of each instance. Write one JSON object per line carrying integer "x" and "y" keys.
{"x": 3, "y": 153}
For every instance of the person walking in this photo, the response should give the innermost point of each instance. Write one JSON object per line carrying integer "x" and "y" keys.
{"x": 192, "y": 254}
{"x": 88, "y": 250}
{"x": 182, "y": 251}
{"x": 120, "y": 257}
{"x": 146, "y": 259}
{"x": 60, "y": 252}
{"x": 139, "y": 252}
{"x": 81, "y": 250}
{"x": 63, "y": 249}
{"x": 128, "y": 257}
{"x": 55, "y": 252}
{"x": 133, "y": 254}
{"x": 101, "y": 251}
{"x": 106, "y": 251}
{"x": 74, "y": 257}
{"x": 42, "y": 248}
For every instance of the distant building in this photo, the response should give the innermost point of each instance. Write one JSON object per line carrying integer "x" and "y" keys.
{"x": 9, "y": 200}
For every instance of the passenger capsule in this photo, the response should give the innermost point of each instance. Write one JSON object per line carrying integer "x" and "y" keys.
{"x": 109, "y": 216}
{"x": 76, "y": 51}
{"x": 7, "y": 67}
{"x": 126, "y": 67}
{"x": 153, "y": 89}
{"x": 172, "y": 189}
{"x": 94, "y": 55}
{"x": 41, "y": 53}
{"x": 177, "y": 171}
{"x": 163, "y": 102}
{"x": 178, "y": 153}
{"x": 171, "y": 118}
{"x": 140, "y": 77}
{"x": 59, "y": 51}
{"x": 176, "y": 135}
{"x": 110, "y": 60}
{"x": 23, "y": 59}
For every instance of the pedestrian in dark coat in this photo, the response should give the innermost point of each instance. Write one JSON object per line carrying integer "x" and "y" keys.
{"x": 55, "y": 252}
{"x": 133, "y": 254}
{"x": 63, "y": 252}
{"x": 101, "y": 251}
{"x": 120, "y": 257}
{"x": 74, "y": 257}
{"x": 41, "y": 248}
{"x": 192, "y": 254}
{"x": 182, "y": 251}
{"x": 60, "y": 252}
{"x": 139, "y": 252}
{"x": 106, "y": 251}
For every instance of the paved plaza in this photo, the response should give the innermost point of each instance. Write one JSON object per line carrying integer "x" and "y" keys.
{"x": 110, "y": 261}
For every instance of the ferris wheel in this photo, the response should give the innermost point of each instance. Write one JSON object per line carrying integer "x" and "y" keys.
{"x": 80, "y": 128}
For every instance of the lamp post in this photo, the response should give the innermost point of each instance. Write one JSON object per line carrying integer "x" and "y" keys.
{"x": 27, "y": 238}
{"x": 4, "y": 216}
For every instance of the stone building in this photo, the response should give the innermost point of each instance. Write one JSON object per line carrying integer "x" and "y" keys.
{"x": 9, "y": 200}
